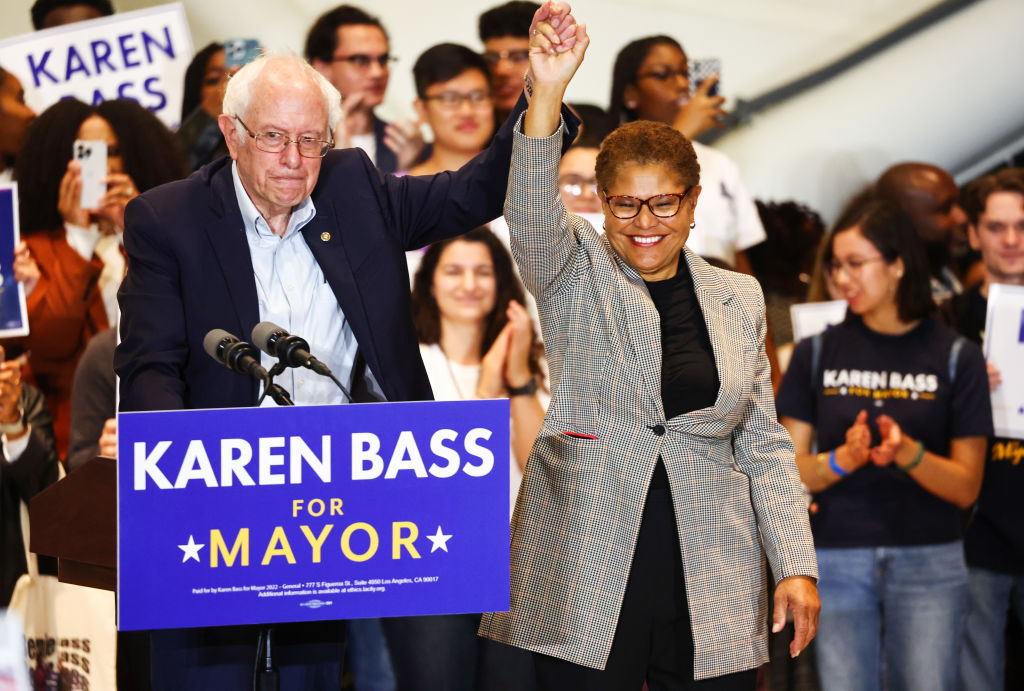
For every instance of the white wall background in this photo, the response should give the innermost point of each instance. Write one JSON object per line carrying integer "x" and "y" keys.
{"x": 945, "y": 96}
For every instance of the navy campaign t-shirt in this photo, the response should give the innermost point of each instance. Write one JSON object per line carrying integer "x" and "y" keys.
{"x": 995, "y": 536}
{"x": 906, "y": 377}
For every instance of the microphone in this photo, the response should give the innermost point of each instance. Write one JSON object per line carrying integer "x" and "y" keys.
{"x": 244, "y": 358}
{"x": 237, "y": 356}
{"x": 291, "y": 351}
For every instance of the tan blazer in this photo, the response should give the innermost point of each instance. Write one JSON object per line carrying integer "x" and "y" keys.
{"x": 731, "y": 467}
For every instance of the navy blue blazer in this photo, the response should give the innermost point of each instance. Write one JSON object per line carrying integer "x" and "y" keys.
{"x": 387, "y": 160}
{"x": 189, "y": 269}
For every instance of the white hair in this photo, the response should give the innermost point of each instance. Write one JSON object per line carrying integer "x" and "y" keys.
{"x": 239, "y": 92}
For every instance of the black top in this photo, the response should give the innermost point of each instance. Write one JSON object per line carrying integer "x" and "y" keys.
{"x": 689, "y": 378}
{"x": 995, "y": 537}
{"x": 904, "y": 376}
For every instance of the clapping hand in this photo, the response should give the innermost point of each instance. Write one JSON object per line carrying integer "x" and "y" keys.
{"x": 892, "y": 439}
{"x": 10, "y": 389}
{"x": 406, "y": 140}
{"x": 507, "y": 362}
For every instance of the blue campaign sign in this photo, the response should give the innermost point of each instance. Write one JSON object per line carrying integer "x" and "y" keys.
{"x": 13, "y": 312}
{"x": 263, "y": 515}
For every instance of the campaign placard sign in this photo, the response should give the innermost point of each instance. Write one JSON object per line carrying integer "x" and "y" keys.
{"x": 13, "y": 313}
{"x": 1004, "y": 348}
{"x": 140, "y": 55}
{"x": 811, "y": 318}
{"x": 264, "y": 515}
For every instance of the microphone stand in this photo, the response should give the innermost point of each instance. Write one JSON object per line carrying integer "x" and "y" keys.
{"x": 266, "y": 677}
{"x": 275, "y": 391}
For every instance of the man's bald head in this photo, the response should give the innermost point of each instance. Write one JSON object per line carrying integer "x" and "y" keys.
{"x": 929, "y": 196}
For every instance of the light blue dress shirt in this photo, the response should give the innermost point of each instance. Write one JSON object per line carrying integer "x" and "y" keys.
{"x": 294, "y": 294}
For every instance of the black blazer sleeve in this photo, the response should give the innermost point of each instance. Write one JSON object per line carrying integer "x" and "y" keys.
{"x": 425, "y": 209}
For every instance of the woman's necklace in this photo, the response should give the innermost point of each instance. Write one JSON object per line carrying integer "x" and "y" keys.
{"x": 451, "y": 373}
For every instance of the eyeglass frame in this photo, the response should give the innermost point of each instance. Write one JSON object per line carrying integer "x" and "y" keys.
{"x": 460, "y": 98}
{"x": 326, "y": 145}
{"x": 832, "y": 267}
{"x": 363, "y": 61}
{"x": 681, "y": 196}
{"x": 493, "y": 57}
{"x": 581, "y": 183}
{"x": 685, "y": 74}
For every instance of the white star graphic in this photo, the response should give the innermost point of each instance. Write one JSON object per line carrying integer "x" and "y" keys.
{"x": 191, "y": 550}
{"x": 439, "y": 540}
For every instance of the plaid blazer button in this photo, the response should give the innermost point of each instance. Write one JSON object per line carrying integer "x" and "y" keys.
{"x": 658, "y": 429}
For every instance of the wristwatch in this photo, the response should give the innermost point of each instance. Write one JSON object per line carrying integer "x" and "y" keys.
{"x": 12, "y": 429}
{"x": 527, "y": 389}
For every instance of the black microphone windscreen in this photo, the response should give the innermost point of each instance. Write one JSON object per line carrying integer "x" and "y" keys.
{"x": 214, "y": 337}
{"x": 261, "y": 333}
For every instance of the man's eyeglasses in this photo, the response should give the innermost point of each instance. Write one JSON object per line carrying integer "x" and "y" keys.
{"x": 275, "y": 142}
{"x": 661, "y": 205}
{"x": 575, "y": 186}
{"x": 451, "y": 100}
{"x": 493, "y": 57}
{"x": 665, "y": 75}
{"x": 362, "y": 61}
{"x": 852, "y": 265}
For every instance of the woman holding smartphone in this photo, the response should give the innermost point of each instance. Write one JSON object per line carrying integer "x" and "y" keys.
{"x": 70, "y": 261}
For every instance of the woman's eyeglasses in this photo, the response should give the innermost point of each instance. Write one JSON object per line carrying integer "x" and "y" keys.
{"x": 661, "y": 205}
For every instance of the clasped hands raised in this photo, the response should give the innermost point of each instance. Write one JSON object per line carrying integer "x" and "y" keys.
{"x": 858, "y": 450}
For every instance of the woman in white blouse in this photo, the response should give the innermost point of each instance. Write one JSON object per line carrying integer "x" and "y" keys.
{"x": 476, "y": 339}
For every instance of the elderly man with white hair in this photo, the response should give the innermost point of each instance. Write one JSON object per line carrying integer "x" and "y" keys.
{"x": 286, "y": 230}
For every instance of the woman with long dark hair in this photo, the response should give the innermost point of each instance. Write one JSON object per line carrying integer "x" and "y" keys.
{"x": 651, "y": 81}
{"x": 897, "y": 407}
{"x": 476, "y": 341}
{"x": 205, "y": 79}
{"x": 70, "y": 261}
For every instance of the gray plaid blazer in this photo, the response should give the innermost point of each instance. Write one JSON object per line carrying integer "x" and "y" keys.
{"x": 734, "y": 481}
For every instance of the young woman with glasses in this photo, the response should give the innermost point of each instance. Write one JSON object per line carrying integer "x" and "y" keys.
{"x": 651, "y": 81}
{"x": 889, "y": 414}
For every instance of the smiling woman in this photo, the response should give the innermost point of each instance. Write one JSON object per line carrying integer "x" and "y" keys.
{"x": 896, "y": 407}
{"x": 660, "y": 469}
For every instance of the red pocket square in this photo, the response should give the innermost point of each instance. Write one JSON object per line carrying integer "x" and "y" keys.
{"x": 579, "y": 435}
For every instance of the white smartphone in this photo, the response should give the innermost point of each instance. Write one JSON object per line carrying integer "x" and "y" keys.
{"x": 91, "y": 154}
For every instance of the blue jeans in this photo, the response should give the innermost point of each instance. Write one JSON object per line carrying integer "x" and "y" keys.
{"x": 891, "y": 617}
{"x": 982, "y": 658}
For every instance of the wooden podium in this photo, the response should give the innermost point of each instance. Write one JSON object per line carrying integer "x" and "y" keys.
{"x": 75, "y": 520}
